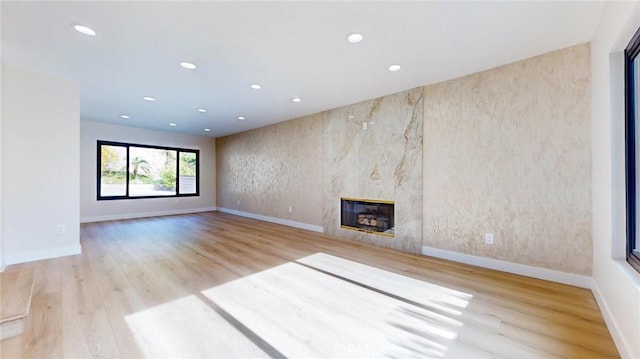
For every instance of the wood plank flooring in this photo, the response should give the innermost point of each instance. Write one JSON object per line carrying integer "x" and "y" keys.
{"x": 213, "y": 285}
{"x": 16, "y": 288}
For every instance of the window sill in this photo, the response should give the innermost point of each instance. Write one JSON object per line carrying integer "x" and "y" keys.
{"x": 628, "y": 271}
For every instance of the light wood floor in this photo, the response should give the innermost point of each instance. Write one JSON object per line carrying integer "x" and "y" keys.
{"x": 16, "y": 289}
{"x": 219, "y": 286}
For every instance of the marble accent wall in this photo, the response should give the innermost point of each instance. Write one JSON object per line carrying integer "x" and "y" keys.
{"x": 507, "y": 151}
{"x": 383, "y": 161}
{"x": 273, "y": 168}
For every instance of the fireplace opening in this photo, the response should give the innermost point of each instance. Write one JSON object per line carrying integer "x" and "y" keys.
{"x": 368, "y": 215}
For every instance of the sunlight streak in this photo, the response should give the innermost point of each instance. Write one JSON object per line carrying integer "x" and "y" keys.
{"x": 305, "y": 312}
{"x": 188, "y": 328}
{"x": 412, "y": 289}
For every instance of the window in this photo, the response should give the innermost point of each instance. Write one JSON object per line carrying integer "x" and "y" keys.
{"x": 632, "y": 147}
{"x": 140, "y": 171}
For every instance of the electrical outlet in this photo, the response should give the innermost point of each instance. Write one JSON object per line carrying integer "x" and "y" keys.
{"x": 488, "y": 238}
{"x": 290, "y": 209}
{"x": 60, "y": 229}
{"x": 238, "y": 202}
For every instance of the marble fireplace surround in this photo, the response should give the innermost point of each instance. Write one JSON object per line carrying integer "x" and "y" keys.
{"x": 373, "y": 149}
{"x": 453, "y": 156}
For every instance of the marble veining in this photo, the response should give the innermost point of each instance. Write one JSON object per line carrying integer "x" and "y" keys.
{"x": 379, "y": 160}
{"x": 506, "y": 151}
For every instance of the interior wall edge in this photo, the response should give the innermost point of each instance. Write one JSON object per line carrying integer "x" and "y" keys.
{"x": 616, "y": 333}
{"x": 31, "y": 256}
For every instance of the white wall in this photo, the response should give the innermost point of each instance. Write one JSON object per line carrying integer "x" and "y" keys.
{"x": 1, "y": 240}
{"x": 40, "y": 166}
{"x": 93, "y": 210}
{"x": 616, "y": 284}
{"x": 1, "y": 237}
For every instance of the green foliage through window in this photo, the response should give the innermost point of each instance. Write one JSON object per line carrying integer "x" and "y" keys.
{"x": 142, "y": 171}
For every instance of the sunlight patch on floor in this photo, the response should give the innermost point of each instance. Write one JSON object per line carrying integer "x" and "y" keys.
{"x": 188, "y": 328}
{"x": 305, "y": 312}
{"x": 433, "y": 295}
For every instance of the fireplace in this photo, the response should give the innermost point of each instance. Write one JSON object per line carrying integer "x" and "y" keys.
{"x": 368, "y": 215}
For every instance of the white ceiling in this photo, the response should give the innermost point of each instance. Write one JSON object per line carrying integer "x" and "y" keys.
{"x": 290, "y": 48}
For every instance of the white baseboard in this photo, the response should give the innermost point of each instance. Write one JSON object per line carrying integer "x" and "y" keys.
{"x": 118, "y": 216}
{"x": 509, "y": 267}
{"x": 284, "y": 222}
{"x": 622, "y": 346}
{"x": 31, "y": 256}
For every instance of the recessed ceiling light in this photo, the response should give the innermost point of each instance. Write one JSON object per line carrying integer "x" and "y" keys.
{"x": 207, "y": 129}
{"x": 355, "y": 38}
{"x": 394, "y": 68}
{"x": 188, "y": 65}
{"x": 126, "y": 117}
{"x": 203, "y": 110}
{"x": 172, "y": 124}
{"x": 149, "y": 98}
{"x": 351, "y": 116}
{"x": 84, "y": 30}
{"x": 296, "y": 99}
{"x": 241, "y": 118}
{"x": 255, "y": 86}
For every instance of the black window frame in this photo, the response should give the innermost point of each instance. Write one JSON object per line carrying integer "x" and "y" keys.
{"x": 631, "y": 52}
{"x": 127, "y": 145}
